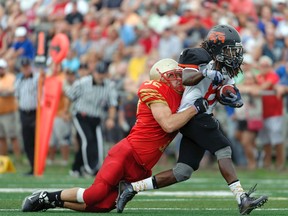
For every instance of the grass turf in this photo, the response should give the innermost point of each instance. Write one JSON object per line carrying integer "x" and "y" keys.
{"x": 206, "y": 193}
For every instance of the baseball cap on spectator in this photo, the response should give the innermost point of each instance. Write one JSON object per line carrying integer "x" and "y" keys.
{"x": 101, "y": 67}
{"x": 3, "y": 63}
{"x": 20, "y": 31}
{"x": 25, "y": 62}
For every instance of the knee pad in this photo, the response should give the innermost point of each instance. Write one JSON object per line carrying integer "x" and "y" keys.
{"x": 182, "y": 172}
{"x": 223, "y": 153}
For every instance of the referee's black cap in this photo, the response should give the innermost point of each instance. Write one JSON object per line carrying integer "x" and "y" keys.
{"x": 101, "y": 67}
{"x": 25, "y": 62}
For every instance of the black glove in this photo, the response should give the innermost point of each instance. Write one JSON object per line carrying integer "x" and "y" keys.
{"x": 201, "y": 105}
{"x": 232, "y": 100}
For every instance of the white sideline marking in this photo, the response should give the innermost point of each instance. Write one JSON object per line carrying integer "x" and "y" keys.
{"x": 146, "y": 193}
{"x": 149, "y": 193}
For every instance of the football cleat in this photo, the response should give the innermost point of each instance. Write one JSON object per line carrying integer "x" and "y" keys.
{"x": 248, "y": 203}
{"x": 125, "y": 194}
{"x": 38, "y": 201}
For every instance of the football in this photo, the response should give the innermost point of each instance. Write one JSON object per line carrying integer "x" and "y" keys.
{"x": 224, "y": 90}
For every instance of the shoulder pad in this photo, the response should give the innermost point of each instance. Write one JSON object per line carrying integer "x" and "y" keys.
{"x": 194, "y": 56}
{"x": 150, "y": 91}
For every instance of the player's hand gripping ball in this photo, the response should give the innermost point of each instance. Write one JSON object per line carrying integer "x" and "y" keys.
{"x": 225, "y": 91}
{"x": 229, "y": 95}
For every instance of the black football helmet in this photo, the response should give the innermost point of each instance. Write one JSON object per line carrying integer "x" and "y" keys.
{"x": 224, "y": 44}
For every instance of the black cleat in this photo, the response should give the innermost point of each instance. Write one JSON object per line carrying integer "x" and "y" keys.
{"x": 38, "y": 201}
{"x": 248, "y": 203}
{"x": 125, "y": 194}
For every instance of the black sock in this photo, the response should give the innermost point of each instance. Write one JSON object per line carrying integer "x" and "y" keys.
{"x": 56, "y": 197}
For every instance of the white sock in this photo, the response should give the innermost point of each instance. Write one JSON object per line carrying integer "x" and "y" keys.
{"x": 79, "y": 195}
{"x": 143, "y": 185}
{"x": 237, "y": 190}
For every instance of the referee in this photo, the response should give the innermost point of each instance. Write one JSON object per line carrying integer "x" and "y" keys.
{"x": 26, "y": 92}
{"x": 90, "y": 96}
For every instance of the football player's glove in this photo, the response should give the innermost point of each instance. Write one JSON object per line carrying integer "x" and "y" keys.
{"x": 232, "y": 100}
{"x": 214, "y": 75}
{"x": 201, "y": 105}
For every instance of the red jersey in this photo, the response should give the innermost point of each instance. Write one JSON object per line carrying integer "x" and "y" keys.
{"x": 147, "y": 138}
{"x": 270, "y": 110}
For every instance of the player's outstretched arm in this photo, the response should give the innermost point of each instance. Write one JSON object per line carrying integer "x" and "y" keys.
{"x": 171, "y": 122}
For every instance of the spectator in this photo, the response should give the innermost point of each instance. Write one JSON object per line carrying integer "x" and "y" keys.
{"x": 170, "y": 44}
{"x": 128, "y": 106}
{"x": 253, "y": 39}
{"x": 137, "y": 63}
{"x": 126, "y": 31}
{"x": 251, "y": 110}
{"x": 245, "y": 7}
{"x": 22, "y": 46}
{"x": 57, "y": 11}
{"x": 272, "y": 47}
{"x": 195, "y": 34}
{"x": 81, "y": 5}
{"x": 71, "y": 62}
{"x": 282, "y": 28}
{"x": 8, "y": 108}
{"x": 271, "y": 136}
{"x": 118, "y": 67}
{"x": 83, "y": 44}
{"x": 74, "y": 17}
{"x": 16, "y": 17}
{"x": 266, "y": 17}
{"x": 113, "y": 44}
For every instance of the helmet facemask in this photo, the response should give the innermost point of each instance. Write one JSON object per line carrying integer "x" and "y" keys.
{"x": 173, "y": 79}
{"x": 231, "y": 57}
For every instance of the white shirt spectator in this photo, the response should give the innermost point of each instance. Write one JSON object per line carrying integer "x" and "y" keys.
{"x": 83, "y": 7}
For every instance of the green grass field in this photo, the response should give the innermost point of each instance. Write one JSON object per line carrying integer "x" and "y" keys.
{"x": 205, "y": 194}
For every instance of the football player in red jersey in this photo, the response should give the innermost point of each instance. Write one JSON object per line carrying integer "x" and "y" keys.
{"x": 133, "y": 157}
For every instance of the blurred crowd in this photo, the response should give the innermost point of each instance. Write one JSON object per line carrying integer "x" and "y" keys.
{"x": 127, "y": 37}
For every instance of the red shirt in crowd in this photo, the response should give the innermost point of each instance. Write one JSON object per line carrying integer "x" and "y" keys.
{"x": 272, "y": 106}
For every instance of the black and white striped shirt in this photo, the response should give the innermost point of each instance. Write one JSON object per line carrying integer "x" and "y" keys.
{"x": 26, "y": 92}
{"x": 91, "y": 99}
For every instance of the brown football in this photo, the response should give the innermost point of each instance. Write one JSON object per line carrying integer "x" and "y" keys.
{"x": 224, "y": 90}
